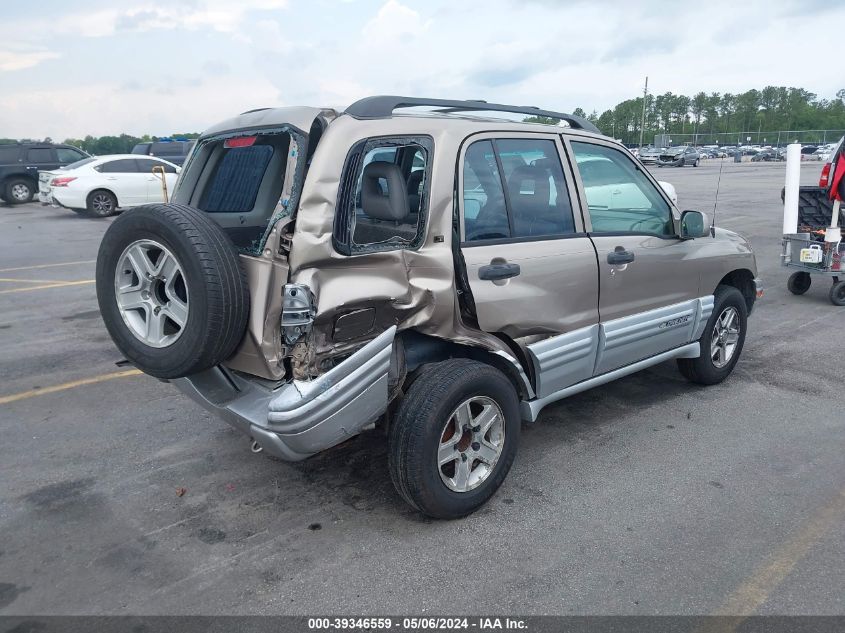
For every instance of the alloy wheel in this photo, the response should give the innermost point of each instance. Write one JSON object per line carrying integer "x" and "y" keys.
{"x": 20, "y": 192}
{"x": 471, "y": 443}
{"x": 151, "y": 293}
{"x": 102, "y": 203}
{"x": 725, "y": 337}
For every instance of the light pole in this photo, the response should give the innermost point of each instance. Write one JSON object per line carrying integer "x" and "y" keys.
{"x": 645, "y": 100}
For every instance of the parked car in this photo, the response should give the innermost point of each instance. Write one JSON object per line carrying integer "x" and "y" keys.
{"x": 21, "y": 162}
{"x": 678, "y": 157}
{"x": 100, "y": 186}
{"x": 173, "y": 151}
{"x": 305, "y": 306}
{"x": 766, "y": 155}
{"x": 649, "y": 155}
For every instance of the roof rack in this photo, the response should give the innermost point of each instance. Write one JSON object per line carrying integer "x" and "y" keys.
{"x": 383, "y": 106}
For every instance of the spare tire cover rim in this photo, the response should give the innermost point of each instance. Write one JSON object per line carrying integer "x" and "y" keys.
{"x": 151, "y": 293}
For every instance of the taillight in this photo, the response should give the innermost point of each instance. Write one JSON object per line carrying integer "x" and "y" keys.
{"x": 824, "y": 179}
{"x": 64, "y": 181}
{"x": 240, "y": 141}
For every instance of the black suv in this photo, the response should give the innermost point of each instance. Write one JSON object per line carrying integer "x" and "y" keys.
{"x": 170, "y": 150}
{"x": 21, "y": 162}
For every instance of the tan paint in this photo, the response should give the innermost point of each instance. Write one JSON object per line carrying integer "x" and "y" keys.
{"x": 416, "y": 288}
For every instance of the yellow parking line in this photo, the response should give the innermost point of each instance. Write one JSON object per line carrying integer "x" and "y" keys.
{"x": 68, "y": 385}
{"x": 31, "y": 281}
{"x": 8, "y": 270}
{"x": 60, "y": 284}
{"x": 752, "y": 593}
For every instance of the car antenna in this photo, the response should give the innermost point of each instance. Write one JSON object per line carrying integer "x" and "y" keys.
{"x": 716, "y": 200}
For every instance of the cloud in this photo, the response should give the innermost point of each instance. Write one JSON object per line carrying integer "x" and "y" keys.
{"x": 11, "y": 60}
{"x": 394, "y": 23}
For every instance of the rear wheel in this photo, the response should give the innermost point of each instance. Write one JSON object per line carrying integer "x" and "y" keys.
{"x": 101, "y": 203}
{"x": 837, "y": 293}
{"x": 19, "y": 190}
{"x": 722, "y": 341}
{"x": 799, "y": 283}
{"x": 454, "y": 438}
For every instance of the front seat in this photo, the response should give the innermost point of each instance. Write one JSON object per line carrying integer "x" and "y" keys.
{"x": 414, "y": 183}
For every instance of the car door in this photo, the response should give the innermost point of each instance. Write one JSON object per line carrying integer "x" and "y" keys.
{"x": 649, "y": 297}
{"x": 154, "y": 191}
{"x": 530, "y": 266}
{"x": 123, "y": 177}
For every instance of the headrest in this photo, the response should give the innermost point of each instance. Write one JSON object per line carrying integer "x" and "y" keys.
{"x": 384, "y": 205}
{"x": 538, "y": 177}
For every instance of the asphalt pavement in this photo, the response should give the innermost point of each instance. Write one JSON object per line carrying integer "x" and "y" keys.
{"x": 645, "y": 496}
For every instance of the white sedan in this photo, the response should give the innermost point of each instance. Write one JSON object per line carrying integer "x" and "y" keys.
{"x": 99, "y": 186}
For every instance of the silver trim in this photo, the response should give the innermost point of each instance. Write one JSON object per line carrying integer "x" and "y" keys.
{"x": 564, "y": 360}
{"x": 297, "y": 419}
{"x": 531, "y": 409}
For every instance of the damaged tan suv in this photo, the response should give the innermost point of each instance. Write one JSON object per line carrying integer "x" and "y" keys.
{"x": 426, "y": 267}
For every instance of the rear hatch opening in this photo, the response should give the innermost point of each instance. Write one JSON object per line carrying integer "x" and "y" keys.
{"x": 246, "y": 181}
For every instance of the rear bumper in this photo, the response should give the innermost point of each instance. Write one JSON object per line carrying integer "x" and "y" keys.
{"x": 300, "y": 418}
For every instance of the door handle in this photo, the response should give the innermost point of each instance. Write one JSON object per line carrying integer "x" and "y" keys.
{"x": 498, "y": 271}
{"x": 620, "y": 256}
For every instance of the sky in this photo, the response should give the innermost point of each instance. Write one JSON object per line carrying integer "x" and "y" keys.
{"x": 68, "y": 69}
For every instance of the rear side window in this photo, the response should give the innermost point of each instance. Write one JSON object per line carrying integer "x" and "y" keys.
{"x": 236, "y": 180}
{"x": 515, "y": 188}
{"x": 40, "y": 155}
{"x": 122, "y": 166}
{"x": 383, "y": 195}
{"x": 8, "y": 155}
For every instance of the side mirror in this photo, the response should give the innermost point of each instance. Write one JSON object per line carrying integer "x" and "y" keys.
{"x": 694, "y": 224}
{"x": 670, "y": 191}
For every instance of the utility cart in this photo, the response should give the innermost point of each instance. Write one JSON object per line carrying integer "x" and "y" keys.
{"x": 812, "y": 227}
{"x": 809, "y": 256}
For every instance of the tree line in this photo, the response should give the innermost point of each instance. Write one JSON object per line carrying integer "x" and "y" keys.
{"x": 713, "y": 116}
{"x": 121, "y": 144}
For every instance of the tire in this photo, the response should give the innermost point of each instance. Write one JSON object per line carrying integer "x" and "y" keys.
{"x": 837, "y": 293}
{"x": 704, "y": 370}
{"x": 207, "y": 291}
{"x": 101, "y": 203}
{"x": 799, "y": 283}
{"x": 695, "y": 164}
{"x": 428, "y": 414}
{"x": 18, "y": 191}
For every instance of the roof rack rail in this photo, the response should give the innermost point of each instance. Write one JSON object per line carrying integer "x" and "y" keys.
{"x": 382, "y": 106}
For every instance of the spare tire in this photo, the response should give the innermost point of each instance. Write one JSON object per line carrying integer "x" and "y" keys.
{"x": 171, "y": 290}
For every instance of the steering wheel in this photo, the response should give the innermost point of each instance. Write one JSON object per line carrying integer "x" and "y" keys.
{"x": 638, "y": 222}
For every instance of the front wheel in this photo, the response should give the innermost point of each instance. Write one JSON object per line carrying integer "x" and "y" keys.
{"x": 454, "y": 438}
{"x": 722, "y": 341}
{"x": 799, "y": 283}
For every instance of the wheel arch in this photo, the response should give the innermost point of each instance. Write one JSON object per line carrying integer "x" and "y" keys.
{"x": 420, "y": 349}
{"x": 743, "y": 280}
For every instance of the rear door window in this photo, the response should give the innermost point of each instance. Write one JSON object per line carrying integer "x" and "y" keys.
{"x": 145, "y": 165}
